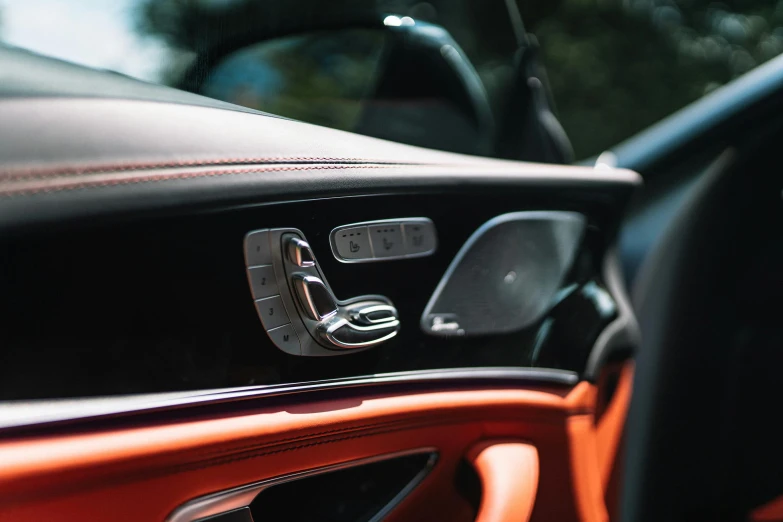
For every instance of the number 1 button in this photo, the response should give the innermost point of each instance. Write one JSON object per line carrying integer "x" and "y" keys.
{"x": 272, "y": 312}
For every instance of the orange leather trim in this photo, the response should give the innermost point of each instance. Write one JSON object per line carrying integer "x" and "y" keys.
{"x": 582, "y": 447}
{"x": 769, "y": 512}
{"x": 609, "y": 428}
{"x": 589, "y": 494}
{"x": 509, "y": 479}
{"x": 144, "y": 473}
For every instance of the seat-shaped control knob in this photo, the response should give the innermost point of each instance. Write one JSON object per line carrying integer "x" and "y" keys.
{"x": 316, "y": 300}
{"x": 299, "y": 252}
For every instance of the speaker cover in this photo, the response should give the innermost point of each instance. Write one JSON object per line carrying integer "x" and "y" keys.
{"x": 506, "y": 275}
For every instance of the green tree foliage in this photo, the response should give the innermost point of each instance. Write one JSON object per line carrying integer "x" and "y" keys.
{"x": 615, "y": 66}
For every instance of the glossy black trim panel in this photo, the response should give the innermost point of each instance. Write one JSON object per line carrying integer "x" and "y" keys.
{"x": 622, "y": 333}
{"x": 158, "y": 304}
{"x": 50, "y": 413}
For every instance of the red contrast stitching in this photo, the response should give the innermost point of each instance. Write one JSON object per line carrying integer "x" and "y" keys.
{"x": 31, "y": 174}
{"x": 303, "y": 437}
{"x": 181, "y": 175}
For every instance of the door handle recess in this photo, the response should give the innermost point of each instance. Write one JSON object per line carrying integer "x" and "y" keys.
{"x": 508, "y": 471}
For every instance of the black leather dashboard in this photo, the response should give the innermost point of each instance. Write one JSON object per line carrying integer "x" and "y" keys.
{"x": 122, "y": 221}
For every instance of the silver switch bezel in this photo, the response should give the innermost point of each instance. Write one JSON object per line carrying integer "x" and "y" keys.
{"x": 401, "y": 222}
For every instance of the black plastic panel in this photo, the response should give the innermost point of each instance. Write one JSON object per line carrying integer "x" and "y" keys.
{"x": 163, "y": 304}
{"x": 355, "y": 494}
{"x": 238, "y": 515}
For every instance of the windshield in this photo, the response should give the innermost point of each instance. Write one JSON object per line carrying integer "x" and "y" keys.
{"x": 614, "y": 67}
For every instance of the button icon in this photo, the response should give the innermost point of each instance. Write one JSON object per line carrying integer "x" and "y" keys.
{"x": 384, "y": 239}
{"x": 387, "y": 240}
{"x": 257, "y": 250}
{"x": 352, "y": 243}
{"x": 272, "y": 312}
{"x": 285, "y": 338}
{"x": 262, "y": 281}
{"x": 445, "y": 324}
{"x": 419, "y": 238}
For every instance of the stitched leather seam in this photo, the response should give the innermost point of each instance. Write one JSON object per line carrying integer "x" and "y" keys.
{"x": 45, "y": 174}
{"x": 307, "y": 436}
{"x": 66, "y": 487}
{"x": 124, "y": 478}
{"x": 427, "y": 423}
{"x": 11, "y": 192}
{"x": 368, "y": 430}
{"x": 252, "y": 455}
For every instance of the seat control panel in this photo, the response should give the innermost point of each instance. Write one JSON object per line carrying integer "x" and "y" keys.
{"x": 384, "y": 240}
{"x": 298, "y": 309}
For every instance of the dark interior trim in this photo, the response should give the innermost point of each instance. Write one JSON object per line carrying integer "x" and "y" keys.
{"x": 126, "y": 156}
{"x": 241, "y": 497}
{"x": 26, "y": 416}
{"x": 622, "y": 333}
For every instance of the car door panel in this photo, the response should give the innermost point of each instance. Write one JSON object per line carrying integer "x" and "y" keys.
{"x": 173, "y": 154}
{"x": 508, "y": 471}
{"x": 145, "y": 472}
{"x": 124, "y": 222}
{"x": 171, "y": 308}
{"x": 770, "y": 512}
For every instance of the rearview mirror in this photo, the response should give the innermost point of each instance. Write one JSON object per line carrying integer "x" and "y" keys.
{"x": 401, "y": 80}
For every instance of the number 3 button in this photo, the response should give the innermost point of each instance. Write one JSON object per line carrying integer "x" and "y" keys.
{"x": 272, "y": 312}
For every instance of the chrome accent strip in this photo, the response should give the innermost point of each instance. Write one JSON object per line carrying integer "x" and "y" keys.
{"x": 18, "y": 414}
{"x": 242, "y": 496}
{"x": 302, "y": 284}
{"x": 295, "y": 247}
{"x": 379, "y": 308}
{"x": 329, "y": 334}
{"x": 371, "y": 328}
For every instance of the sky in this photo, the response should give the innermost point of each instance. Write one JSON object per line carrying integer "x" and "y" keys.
{"x": 96, "y": 33}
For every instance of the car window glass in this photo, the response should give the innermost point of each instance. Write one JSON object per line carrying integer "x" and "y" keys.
{"x": 617, "y": 67}
{"x": 321, "y": 77}
{"x": 614, "y": 66}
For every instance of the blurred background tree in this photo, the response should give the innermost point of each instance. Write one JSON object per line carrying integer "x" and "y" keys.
{"x": 615, "y": 66}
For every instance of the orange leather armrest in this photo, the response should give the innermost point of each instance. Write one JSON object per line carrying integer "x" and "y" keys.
{"x": 769, "y": 512}
{"x": 508, "y": 471}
